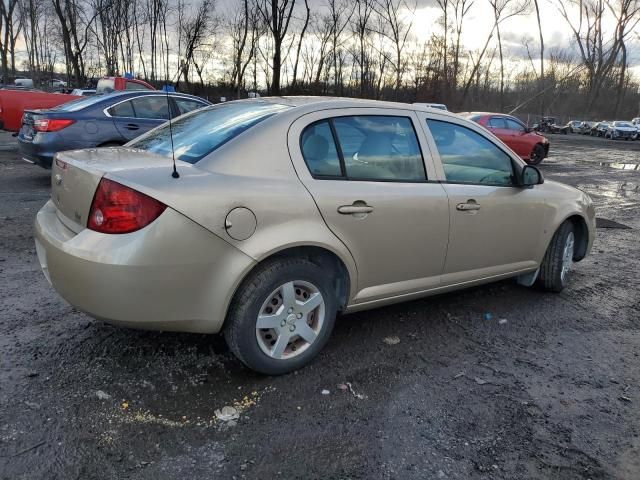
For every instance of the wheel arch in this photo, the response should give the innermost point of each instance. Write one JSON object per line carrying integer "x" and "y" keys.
{"x": 581, "y": 232}
{"x": 321, "y": 255}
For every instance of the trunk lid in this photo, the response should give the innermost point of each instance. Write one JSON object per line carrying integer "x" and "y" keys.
{"x": 76, "y": 174}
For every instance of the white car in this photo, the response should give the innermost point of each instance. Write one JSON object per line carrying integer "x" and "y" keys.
{"x": 83, "y": 92}
{"x": 439, "y": 106}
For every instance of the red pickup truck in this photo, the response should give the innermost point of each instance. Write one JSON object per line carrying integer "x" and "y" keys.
{"x": 13, "y": 103}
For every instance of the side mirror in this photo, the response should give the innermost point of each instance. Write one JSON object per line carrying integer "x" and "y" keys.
{"x": 531, "y": 176}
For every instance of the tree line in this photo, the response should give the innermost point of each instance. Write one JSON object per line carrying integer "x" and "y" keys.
{"x": 359, "y": 48}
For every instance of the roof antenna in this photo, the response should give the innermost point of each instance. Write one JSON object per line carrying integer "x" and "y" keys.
{"x": 175, "y": 173}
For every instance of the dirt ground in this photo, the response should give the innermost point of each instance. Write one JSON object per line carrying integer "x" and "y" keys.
{"x": 548, "y": 387}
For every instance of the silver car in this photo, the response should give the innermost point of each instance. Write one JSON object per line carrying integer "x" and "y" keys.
{"x": 282, "y": 213}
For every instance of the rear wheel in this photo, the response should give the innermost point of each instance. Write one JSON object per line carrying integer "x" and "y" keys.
{"x": 537, "y": 154}
{"x": 282, "y": 316}
{"x": 555, "y": 269}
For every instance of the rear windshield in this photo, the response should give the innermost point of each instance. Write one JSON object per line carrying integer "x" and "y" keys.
{"x": 79, "y": 104}
{"x": 200, "y": 133}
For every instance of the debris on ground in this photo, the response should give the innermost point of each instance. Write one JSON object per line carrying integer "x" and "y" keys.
{"x": 624, "y": 399}
{"x": 342, "y": 386}
{"x": 488, "y": 316}
{"x": 480, "y": 381}
{"x": 502, "y": 321}
{"x": 359, "y": 396}
{"x": 227, "y": 414}
{"x": 325, "y": 392}
{"x": 391, "y": 340}
{"x": 102, "y": 395}
{"x": 458, "y": 375}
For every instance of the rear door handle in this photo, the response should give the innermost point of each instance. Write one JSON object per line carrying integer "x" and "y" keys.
{"x": 469, "y": 205}
{"x": 355, "y": 209}
{"x": 132, "y": 126}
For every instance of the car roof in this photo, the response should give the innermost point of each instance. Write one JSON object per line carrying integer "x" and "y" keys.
{"x": 311, "y": 103}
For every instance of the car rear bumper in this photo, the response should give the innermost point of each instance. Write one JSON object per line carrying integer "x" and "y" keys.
{"x": 34, "y": 152}
{"x": 171, "y": 275}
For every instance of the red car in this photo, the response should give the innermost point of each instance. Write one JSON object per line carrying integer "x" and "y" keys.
{"x": 529, "y": 145}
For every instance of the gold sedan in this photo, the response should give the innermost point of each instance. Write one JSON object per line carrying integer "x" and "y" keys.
{"x": 286, "y": 211}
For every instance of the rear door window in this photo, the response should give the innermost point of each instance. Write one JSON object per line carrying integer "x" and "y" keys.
{"x": 364, "y": 148}
{"x": 151, "y": 107}
{"x": 468, "y": 157}
{"x": 124, "y": 109}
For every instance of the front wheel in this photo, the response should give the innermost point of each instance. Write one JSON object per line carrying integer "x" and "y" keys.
{"x": 282, "y": 316}
{"x": 555, "y": 269}
{"x": 537, "y": 154}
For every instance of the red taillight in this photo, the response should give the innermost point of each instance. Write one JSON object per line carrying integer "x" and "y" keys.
{"x": 51, "y": 124}
{"x": 119, "y": 209}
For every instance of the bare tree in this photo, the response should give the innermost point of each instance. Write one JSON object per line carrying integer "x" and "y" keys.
{"x": 398, "y": 29}
{"x": 503, "y": 10}
{"x": 276, "y": 14}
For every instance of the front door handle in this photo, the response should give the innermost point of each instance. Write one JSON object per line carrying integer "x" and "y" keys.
{"x": 356, "y": 209}
{"x": 132, "y": 126}
{"x": 470, "y": 205}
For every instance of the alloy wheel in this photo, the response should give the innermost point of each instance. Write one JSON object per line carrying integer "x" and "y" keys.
{"x": 290, "y": 320}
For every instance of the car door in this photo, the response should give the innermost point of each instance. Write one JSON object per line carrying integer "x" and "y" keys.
{"x": 520, "y": 143}
{"x": 370, "y": 178}
{"x": 139, "y": 115}
{"x": 496, "y": 226}
{"x": 498, "y": 126}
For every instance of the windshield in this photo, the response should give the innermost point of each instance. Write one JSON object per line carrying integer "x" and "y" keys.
{"x": 622, "y": 124}
{"x": 198, "y": 134}
{"x": 79, "y": 104}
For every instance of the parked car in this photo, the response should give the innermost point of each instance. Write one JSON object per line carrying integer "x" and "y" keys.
{"x": 13, "y": 103}
{"x": 99, "y": 120}
{"x": 23, "y": 82}
{"x": 549, "y": 125}
{"x": 636, "y": 123}
{"x": 621, "y": 130}
{"x": 353, "y": 205}
{"x": 574, "y": 126}
{"x": 439, "y": 106}
{"x": 115, "y": 84}
{"x": 530, "y": 146}
{"x": 83, "y": 92}
{"x": 585, "y": 128}
{"x": 56, "y": 83}
{"x": 600, "y": 128}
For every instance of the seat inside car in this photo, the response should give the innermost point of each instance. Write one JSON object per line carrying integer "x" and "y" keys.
{"x": 316, "y": 149}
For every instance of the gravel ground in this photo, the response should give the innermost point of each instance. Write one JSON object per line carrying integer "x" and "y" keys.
{"x": 549, "y": 387}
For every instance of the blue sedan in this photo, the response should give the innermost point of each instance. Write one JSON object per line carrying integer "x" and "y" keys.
{"x": 98, "y": 121}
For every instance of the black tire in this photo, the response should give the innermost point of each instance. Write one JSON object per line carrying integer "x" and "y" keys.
{"x": 550, "y": 276}
{"x": 537, "y": 154}
{"x": 240, "y": 326}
